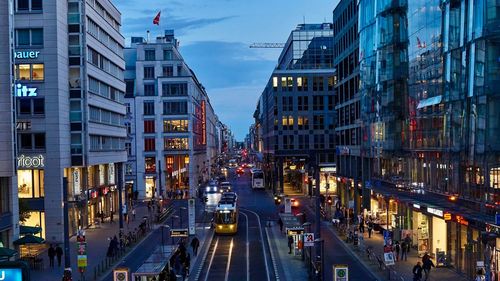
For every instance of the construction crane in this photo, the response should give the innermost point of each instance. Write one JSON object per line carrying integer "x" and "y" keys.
{"x": 267, "y": 45}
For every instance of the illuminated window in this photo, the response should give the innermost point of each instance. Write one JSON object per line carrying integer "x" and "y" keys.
{"x": 176, "y": 143}
{"x": 150, "y": 164}
{"x": 275, "y": 83}
{"x": 30, "y": 183}
{"x": 36, "y": 219}
{"x": 175, "y": 126}
{"x": 24, "y": 72}
{"x": 495, "y": 178}
{"x": 38, "y": 72}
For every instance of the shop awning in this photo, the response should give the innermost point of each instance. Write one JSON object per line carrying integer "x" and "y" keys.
{"x": 24, "y": 229}
{"x": 429, "y": 102}
{"x": 29, "y": 239}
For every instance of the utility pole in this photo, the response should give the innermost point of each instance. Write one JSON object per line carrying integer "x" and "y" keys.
{"x": 67, "y": 260}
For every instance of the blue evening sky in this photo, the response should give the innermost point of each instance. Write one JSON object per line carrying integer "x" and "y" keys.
{"x": 214, "y": 37}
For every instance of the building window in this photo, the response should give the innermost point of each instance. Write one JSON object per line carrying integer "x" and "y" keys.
{"x": 174, "y": 89}
{"x": 149, "y": 108}
{"x": 30, "y": 183}
{"x": 302, "y": 84}
{"x": 303, "y": 122}
{"x": 319, "y": 142}
{"x": 149, "y": 89}
{"x": 175, "y": 126}
{"x": 31, "y": 141}
{"x": 4, "y": 196}
{"x": 129, "y": 88}
{"x": 331, "y": 83}
{"x": 303, "y": 103}
{"x": 149, "y": 126}
{"x": 179, "y": 70}
{"x": 28, "y": 5}
{"x": 31, "y": 106}
{"x": 149, "y": 144}
{"x": 495, "y": 178}
{"x": 149, "y": 72}
{"x": 29, "y": 37}
{"x": 175, "y": 107}
{"x": 149, "y": 55}
{"x": 318, "y": 84}
{"x": 30, "y": 72}
{"x": 150, "y": 164}
{"x": 287, "y": 122}
{"x": 167, "y": 55}
{"x": 275, "y": 83}
{"x": 168, "y": 71}
{"x": 318, "y": 103}
{"x": 318, "y": 122}
{"x": 177, "y": 143}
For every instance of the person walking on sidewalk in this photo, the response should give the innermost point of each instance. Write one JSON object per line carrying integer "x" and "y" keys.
{"x": 417, "y": 272}
{"x": 427, "y": 265}
{"x": 370, "y": 229}
{"x": 280, "y": 222}
{"x": 195, "y": 243}
{"x": 404, "y": 251}
{"x": 59, "y": 253}
{"x": 397, "y": 249}
{"x": 52, "y": 255}
{"x": 408, "y": 242}
{"x": 290, "y": 243}
{"x": 133, "y": 213}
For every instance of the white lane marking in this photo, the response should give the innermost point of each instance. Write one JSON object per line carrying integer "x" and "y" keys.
{"x": 212, "y": 258}
{"x": 262, "y": 242}
{"x": 248, "y": 250}
{"x": 228, "y": 265}
{"x": 273, "y": 258}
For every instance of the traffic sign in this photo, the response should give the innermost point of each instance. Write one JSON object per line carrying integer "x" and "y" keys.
{"x": 308, "y": 239}
{"x": 121, "y": 274}
{"x": 340, "y": 272}
{"x": 82, "y": 261}
{"x": 179, "y": 232}
{"x": 191, "y": 217}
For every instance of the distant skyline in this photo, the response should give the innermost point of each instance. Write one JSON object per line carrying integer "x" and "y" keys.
{"x": 214, "y": 40}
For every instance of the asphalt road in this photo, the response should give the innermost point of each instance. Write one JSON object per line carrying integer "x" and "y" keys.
{"x": 243, "y": 256}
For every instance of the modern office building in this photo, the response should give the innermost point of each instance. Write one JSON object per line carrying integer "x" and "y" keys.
{"x": 9, "y": 215}
{"x": 69, "y": 92}
{"x": 172, "y": 126}
{"x": 347, "y": 104}
{"x": 429, "y": 102}
{"x": 296, "y": 110}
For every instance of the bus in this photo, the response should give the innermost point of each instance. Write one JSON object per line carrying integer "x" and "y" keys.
{"x": 257, "y": 179}
{"x": 226, "y": 217}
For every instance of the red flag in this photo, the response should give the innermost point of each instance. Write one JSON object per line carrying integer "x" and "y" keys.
{"x": 156, "y": 20}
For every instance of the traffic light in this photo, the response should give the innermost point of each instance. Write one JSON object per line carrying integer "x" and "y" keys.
{"x": 329, "y": 200}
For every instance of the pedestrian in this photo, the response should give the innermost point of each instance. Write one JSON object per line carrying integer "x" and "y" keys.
{"x": 370, "y": 229}
{"x": 280, "y": 222}
{"x": 480, "y": 275}
{"x": 195, "y": 243}
{"x": 427, "y": 265}
{"x": 59, "y": 253}
{"x": 404, "y": 251}
{"x": 52, "y": 254}
{"x": 408, "y": 242}
{"x": 417, "y": 272}
{"x": 133, "y": 213}
{"x": 187, "y": 263}
{"x": 290, "y": 244}
{"x": 362, "y": 225}
{"x": 111, "y": 214}
{"x": 101, "y": 214}
{"x": 397, "y": 248}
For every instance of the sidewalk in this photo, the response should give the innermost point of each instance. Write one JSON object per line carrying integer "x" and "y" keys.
{"x": 289, "y": 190}
{"x": 403, "y": 269}
{"x": 97, "y": 246}
{"x": 292, "y": 267}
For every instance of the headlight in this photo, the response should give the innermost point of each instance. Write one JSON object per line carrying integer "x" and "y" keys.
{"x": 207, "y": 188}
{"x": 231, "y": 226}
{"x": 219, "y": 226}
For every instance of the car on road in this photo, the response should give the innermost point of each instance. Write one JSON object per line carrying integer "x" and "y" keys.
{"x": 225, "y": 187}
{"x": 229, "y": 196}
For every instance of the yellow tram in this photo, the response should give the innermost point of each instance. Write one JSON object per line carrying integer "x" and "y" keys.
{"x": 226, "y": 217}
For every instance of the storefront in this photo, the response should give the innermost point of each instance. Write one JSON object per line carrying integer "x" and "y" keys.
{"x": 327, "y": 180}
{"x": 383, "y": 212}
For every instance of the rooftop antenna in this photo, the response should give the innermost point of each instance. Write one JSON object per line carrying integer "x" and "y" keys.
{"x": 147, "y": 36}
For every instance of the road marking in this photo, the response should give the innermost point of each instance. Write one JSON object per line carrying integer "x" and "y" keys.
{"x": 273, "y": 258}
{"x": 212, "y": 258}
{"x": 228, "y": 265}
{"x": 262, "y": 242}
{"x": 248, "y": 250}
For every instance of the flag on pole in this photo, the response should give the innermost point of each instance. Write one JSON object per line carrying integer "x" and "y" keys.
{"x": 156, "y": 20}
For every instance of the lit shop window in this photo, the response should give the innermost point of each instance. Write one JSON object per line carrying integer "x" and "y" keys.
{"x": 30, "y": 183}
{"x": 175, "y": 126}
{"x": 176, "y": 143}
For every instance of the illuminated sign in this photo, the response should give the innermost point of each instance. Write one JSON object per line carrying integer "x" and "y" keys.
{"x": 203, "y": 123}
{"x": 416, "y": 206}
{"x": 447, "y": 217}
{"x": 76, "y": 181}
{"x": 111, "y": 173}
{"x": 26, "y": 55}
{"x": 29, "y": 162}
{"x": 24, "y": 91}
{"x": 182, "y": 232}
{"x": 102, "y": 175}
{"x": 436, "y": 212}
{"x": 23, "y": 125}
{"x": 11, "y": 274}
{"x": 461, "y": 220}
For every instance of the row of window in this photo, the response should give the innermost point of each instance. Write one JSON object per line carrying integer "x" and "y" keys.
{"x": 150, "y": 55}
{"x": 29, "y": 37}
{"x": 31, "y": 106}
{"x": 100, "y": 88}
{"x": 28, "y": 5}
{"x": 31, "y": 141}
{"x": 348, "y": 114}
{"x": 179, "y": 143}
{"x": 106, "y": 143}
{"x": 168, "y": 89}
{"x": 347, "y": 89}
{"x": 105, "y": 15}
{"x": 29, "y": 71}
{"x": 103, "y": 37}
{"x": 349, "y": 137}
{"x": 104, "y": 63}
{"x": 302, "y": 142}
{"x": 302, "y": 83}
{"x": 104, "y": 116}
{"x": 287, "y": 103}
{"x": 287, "y": 122}
{"x": 169, "y": 126}
{"x": 169, "y": 108}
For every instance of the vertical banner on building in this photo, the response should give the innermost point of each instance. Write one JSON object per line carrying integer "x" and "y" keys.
{"x": 76, "y": 181}
{"x": 111, "y": 173}
{"x": 102, "y": 175}
{"x": 191, "y": 217}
